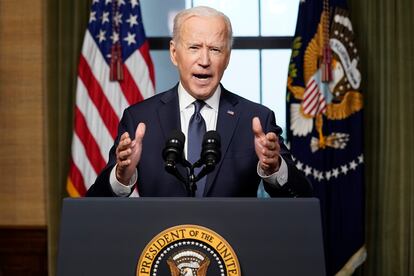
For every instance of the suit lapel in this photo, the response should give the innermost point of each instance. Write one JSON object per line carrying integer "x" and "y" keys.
{"x": 228, "y": 118}
{"x": 169, "y": 118}
{"x": 169, "y": 112}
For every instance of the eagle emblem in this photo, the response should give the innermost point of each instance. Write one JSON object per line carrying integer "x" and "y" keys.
{"x": 332, "y": 81}
{"x": 188, "y": 263}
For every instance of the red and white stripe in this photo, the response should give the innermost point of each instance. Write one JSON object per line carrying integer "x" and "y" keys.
{"x": 313, "y": 100}
{"x": 99, "y": 107}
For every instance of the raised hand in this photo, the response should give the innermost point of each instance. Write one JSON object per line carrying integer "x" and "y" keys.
{"x": 128, "y": 154}
{"x": 267, "y": 148}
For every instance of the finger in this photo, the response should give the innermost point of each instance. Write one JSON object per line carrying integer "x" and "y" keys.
{"x": 271, "y": 146}
{"x": 268, "y": 144}
{"x": 124, "y": 138}
{"x": 139, "y": 135}
{"x": 123, "y": 146}
{"x": 123, "y": 155}
{"x": 140, "y": 132}
{"x": 271, "y": 141}
{"x": 124, "y": 142}
{"x": 124, "y": 163}
{"x": 257, "y": 128}
{"x": 124, "y": 135}
{"x": 271, "y": 136}
{"x": 270, "y": 153}
{"x": 267, "y": 163}
{"x": 264, "y": 166}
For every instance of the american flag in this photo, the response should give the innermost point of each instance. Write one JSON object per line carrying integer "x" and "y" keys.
{"x": 115, "y": 70}
{"x": 313, "y": 99}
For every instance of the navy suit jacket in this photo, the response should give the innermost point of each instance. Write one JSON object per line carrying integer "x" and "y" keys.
{"x": 236, "y": 173}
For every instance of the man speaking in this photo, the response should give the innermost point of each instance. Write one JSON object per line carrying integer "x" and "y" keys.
{"x": 250, "y": 144}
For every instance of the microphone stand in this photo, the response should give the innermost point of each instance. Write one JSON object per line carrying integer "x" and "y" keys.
{"x": 191, "y": 183}
{"x": 192, "y": 179}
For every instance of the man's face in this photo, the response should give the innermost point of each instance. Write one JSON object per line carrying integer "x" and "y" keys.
{"x": 201, "y": 54}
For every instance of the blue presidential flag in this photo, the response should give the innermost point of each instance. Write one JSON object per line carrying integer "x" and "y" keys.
{"x": 325, "y": 125}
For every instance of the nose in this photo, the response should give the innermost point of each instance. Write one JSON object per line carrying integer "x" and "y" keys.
{"x": 204, "y": 58}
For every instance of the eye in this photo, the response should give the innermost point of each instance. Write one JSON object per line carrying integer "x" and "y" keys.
{"x": 215, "y": 51}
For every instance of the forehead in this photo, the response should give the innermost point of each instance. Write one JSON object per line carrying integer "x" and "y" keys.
{"x": 210, "y": 29}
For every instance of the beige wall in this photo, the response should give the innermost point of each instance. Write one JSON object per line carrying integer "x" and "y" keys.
{"x": 22, "y": 188}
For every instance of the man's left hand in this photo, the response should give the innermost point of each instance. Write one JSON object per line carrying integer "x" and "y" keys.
{"x": 267, "y": 148}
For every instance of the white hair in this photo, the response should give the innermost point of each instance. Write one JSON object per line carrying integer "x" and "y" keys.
{"x": 201, "y": 11}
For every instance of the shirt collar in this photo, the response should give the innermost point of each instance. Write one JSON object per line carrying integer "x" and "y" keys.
{"x": 185, "y": 99}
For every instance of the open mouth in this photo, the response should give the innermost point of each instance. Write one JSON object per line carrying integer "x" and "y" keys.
{"x": 202, "y": 76}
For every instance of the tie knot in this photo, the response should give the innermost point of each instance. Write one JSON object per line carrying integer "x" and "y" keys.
{"x": 198, "y": 105}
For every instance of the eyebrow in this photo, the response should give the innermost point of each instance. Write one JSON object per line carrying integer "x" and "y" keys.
{"x": 219, "y": 46}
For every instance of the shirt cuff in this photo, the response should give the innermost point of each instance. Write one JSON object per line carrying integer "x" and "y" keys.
{"x": 120, "y": 189}
{"x": 277, "y": 178}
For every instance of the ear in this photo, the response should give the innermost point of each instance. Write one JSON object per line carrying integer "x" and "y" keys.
{"x": 173, "y": 52}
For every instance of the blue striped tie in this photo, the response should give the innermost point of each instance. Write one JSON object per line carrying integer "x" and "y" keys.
{"x": 196, "y": 131}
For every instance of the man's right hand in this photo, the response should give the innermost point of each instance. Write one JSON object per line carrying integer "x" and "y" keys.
{"x": 128, "y": 154}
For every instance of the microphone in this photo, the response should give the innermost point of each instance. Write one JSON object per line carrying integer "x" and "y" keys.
{"x": 173, "y": 150}
{"x": 210, "y": 153}
{"x": 173, "y": 153}
{"x": 211, "y": 149}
